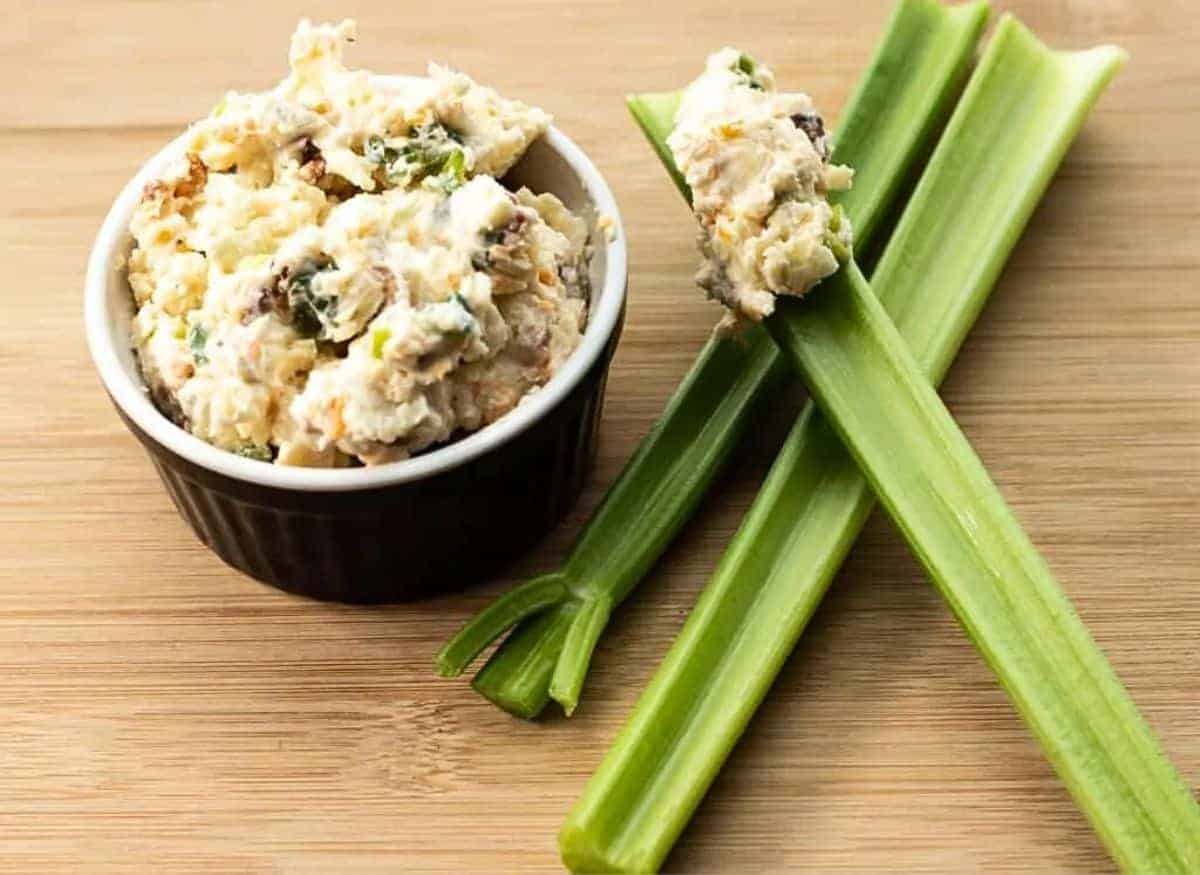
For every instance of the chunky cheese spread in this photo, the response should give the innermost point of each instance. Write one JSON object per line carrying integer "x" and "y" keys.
{"x": 758, "y": 165}
{"x": 333, "y": 275}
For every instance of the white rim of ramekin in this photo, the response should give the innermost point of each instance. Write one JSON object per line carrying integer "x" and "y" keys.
{"x": 131, "y": 396}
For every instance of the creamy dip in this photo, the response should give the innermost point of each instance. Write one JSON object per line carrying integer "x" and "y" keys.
{"x": 757, "y": 162}
{"x": 333, "y": 275}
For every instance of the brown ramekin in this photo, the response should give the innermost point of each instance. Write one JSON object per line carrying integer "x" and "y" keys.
{"x": 437, "y": 522}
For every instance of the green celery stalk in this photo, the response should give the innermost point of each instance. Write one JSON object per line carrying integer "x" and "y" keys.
{"x": 957, "y": 524}
{"x": 892, "y": 119}
{"x": 1015, "y": 121}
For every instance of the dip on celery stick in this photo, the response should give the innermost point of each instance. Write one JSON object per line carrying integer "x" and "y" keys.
{"x": 333, "y": 275}
{"x": 758, "y": 165}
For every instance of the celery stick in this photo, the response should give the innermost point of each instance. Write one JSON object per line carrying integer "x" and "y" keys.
{"x": 892, "y": 119}
{"x": 994, "y": 161}
{"x": 957, "y": 524}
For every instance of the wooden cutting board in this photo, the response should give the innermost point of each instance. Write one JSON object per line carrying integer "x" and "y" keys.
{"x": 159, "y": 710}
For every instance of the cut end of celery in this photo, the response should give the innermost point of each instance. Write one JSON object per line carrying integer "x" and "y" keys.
{"x": 527, "y": 600}
{"x": 576, "y": 655}
{"x": 972, "y": 16}
{"x": 517, "y": 676}
{"x": 1107, "y": 60}
{"x": 449, "y": 662}
{"x": 580, "y": 854}
{"x": 444, "y": 667}
{"x": 521, "y": 694}
{"x": 1097, "y": 64}
{"x": 655, "y": 110}
{"x": 525, "y": 704}
{"x": 654, "y": 113}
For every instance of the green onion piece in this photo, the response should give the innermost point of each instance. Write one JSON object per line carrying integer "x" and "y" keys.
{"x": 454, "y": 171}
{"x": 258, "y": 452}
{"x": 1014, "y": 123}
{"x": 197, "y": 339}
{"x": 379, "y": 339}
{"x": 920, "y": 66}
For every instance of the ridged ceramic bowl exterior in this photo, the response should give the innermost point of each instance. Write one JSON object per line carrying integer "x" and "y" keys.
{"x": 437, "y": 522}
{"x": 403, "y": 541}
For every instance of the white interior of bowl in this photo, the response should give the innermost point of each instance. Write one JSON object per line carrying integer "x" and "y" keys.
{"x": 553, "y": 164}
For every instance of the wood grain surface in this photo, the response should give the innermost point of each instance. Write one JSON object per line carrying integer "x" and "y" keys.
{"x": 160, "y": 710}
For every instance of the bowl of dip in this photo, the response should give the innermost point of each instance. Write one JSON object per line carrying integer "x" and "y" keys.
{"x": 332, "y": 514}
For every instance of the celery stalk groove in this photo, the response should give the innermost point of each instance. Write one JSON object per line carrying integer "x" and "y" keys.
{"x": 893, "y": 117}
{"x": 1015, "y": 121}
